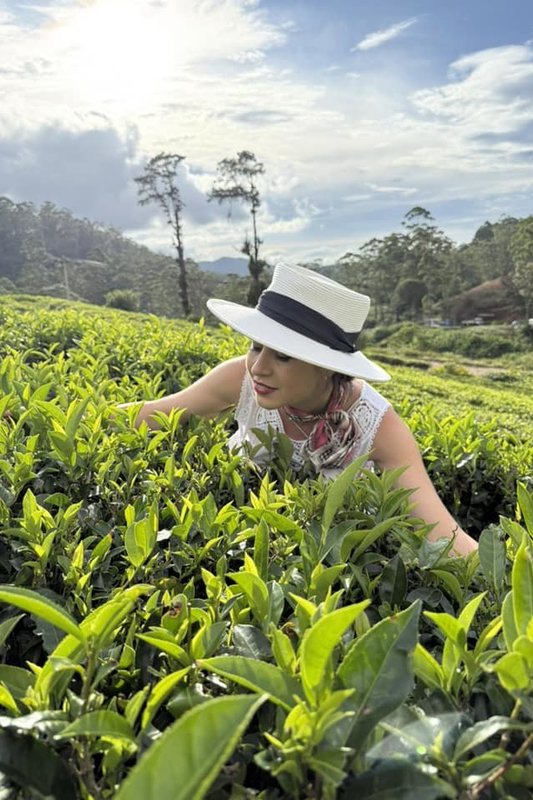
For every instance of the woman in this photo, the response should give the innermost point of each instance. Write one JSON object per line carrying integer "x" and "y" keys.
{"x": 304, "y": 376}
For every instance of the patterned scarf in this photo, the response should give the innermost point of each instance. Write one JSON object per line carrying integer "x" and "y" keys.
{"x": 334, "y": 435}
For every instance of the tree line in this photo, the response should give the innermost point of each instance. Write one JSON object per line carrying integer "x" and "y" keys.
{"x": 415, "y": 272}
{"x": 421, "y": 271}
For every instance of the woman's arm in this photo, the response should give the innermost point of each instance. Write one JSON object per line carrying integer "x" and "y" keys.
{"x": 214, "y": 392}
{"x": 395, "y": 446}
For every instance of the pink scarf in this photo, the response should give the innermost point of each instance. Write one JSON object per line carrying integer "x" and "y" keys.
{"x": 335, "y": 433}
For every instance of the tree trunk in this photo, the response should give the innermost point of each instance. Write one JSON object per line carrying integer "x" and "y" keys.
{"x": 182, "y": 273}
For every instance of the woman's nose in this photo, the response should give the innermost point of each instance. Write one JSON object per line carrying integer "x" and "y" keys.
{"x": 262, "y": 363}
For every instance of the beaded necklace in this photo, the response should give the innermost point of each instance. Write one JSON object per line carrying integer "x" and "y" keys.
{"x": 295, "y": 416}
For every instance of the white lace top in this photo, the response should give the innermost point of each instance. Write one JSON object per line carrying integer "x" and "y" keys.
{"x": 367, "y": 412}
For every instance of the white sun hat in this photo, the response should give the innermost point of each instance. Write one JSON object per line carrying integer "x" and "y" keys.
{"x": 307, "y": 316}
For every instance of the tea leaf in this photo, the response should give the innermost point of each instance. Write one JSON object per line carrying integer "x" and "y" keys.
{"x": 7, "y": 700}
{"x": 512, "y": 670}
{"x": 378, "y": 666}
{"x": 522, "y": 583}
{"x": 183, "y": 763}
{"x": 259, "y": 676}
{"x": 525, "y": 504}
{"x": 99, "y": 723}
{"x": 337, "y": 491}
{"x": 318, "y": 644}
{"x": 427, "y": 668}
{"x": 393, "y": 581}
{"x": 7, "y": 626}
{"x": 492, "y": 556}
{"x": 29, "y": 763}
{"x": 484, "y": 730}
{"x": 34, "y": 603}
{"x": 396, "y": 780}
{"x": 160, "y": 691}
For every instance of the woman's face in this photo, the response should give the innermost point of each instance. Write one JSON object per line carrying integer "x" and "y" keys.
{"x": 280, "y": 380}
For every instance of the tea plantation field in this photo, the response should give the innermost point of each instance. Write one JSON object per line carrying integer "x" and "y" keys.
{"x": 175, "y": 624}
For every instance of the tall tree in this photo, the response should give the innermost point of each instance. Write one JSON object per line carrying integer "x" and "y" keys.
{"x": 428, "y": 253}
{"x": 158, "y": 184}
{"x": 522, "y": 252}
{"x": 237, "y": 180}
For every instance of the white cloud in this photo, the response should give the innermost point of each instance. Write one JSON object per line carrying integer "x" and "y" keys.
{"x": 489, "y": 91}
{"x": 402, "y": 190}
{"x": 208, "y": 84}
{"x": 385, "y": 35}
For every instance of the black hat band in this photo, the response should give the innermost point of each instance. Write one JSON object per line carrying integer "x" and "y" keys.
{"x": 304, "y": 320}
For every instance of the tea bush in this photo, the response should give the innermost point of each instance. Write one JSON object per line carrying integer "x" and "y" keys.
{"x": 476, "y": 342}
{"x": 176, "y": 624}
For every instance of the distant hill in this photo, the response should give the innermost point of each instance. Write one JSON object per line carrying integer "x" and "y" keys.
{"x": 226, "y": 266}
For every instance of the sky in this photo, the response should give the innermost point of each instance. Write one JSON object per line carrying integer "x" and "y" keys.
{"x": 358, "y": 110}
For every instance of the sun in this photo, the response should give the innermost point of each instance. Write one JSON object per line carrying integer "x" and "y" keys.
{"x": 119, "y": 52}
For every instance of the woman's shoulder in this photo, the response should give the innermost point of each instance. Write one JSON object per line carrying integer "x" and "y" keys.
{"x": 216, "y": 390}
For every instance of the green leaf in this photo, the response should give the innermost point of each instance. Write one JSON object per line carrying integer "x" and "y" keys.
{"x": 522, "y": 583}
{"x": 513, "y": 672}
{"x": 62, "y": 445}
{"x": 7, "y": 626}
{"x": 450, "y": 582}
{"x": 261, "y": 545}
{"x": 208, "y": 640}
{"x": 484, "y": 730}
{"x": 167, "y": 646}
{"x": 35, "y": 767}
{"x": 100, "y": 625}
{"x": 7, "y": 700}
{"x": 379, "y": 667}
{"x": 524, "y": 646}
{"x": 427, "y": 668}
{"x": 160, "y": 692}
{"x": 513, "y": 530}
{"x": 318, "y": 644}
{"x": 362, "y": 539}
{"x": 396, "y": 780}
{"x": 282, "y": 649}
{"x": 259, "y": 676}
{"x": 337, "y": 491}
{"x": 255, "y": 591}
{"x": 75, "y": 412}
{"x": 139, "y": 540}
{"x": 16, "y": 679}
{"x": 393, "y": 581}
{"x": 510, "y": 632}
{"x": 492, "y": 557}
{"x": 250, "y": 642}
{"x": 468, "y": 613}
{"x": 34, "y": 603}
{"x": 525, "y": 504}
{"x": 183, "y": 763}
{"x": 99, "y": 724}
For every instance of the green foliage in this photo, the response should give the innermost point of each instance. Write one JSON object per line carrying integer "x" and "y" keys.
{"x": 123, "y": 299}
{"x": 472, "y": 343}
{"x": 174, "y": 622}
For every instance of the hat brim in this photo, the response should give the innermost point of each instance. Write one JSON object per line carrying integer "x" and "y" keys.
{"x": 263, "y": 330}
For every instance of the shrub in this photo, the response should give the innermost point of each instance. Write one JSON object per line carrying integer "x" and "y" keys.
{"x": 7, "y": 286}
{"x": 123, "y": 299}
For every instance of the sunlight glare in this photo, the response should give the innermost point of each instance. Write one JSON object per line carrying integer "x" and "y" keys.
{"x": 122, "y": 51}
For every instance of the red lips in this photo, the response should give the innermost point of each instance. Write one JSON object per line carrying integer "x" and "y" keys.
{"x": 261, "y": 388}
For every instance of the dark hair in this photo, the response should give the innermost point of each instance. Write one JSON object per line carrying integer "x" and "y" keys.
{"x": 341, "y": 378}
